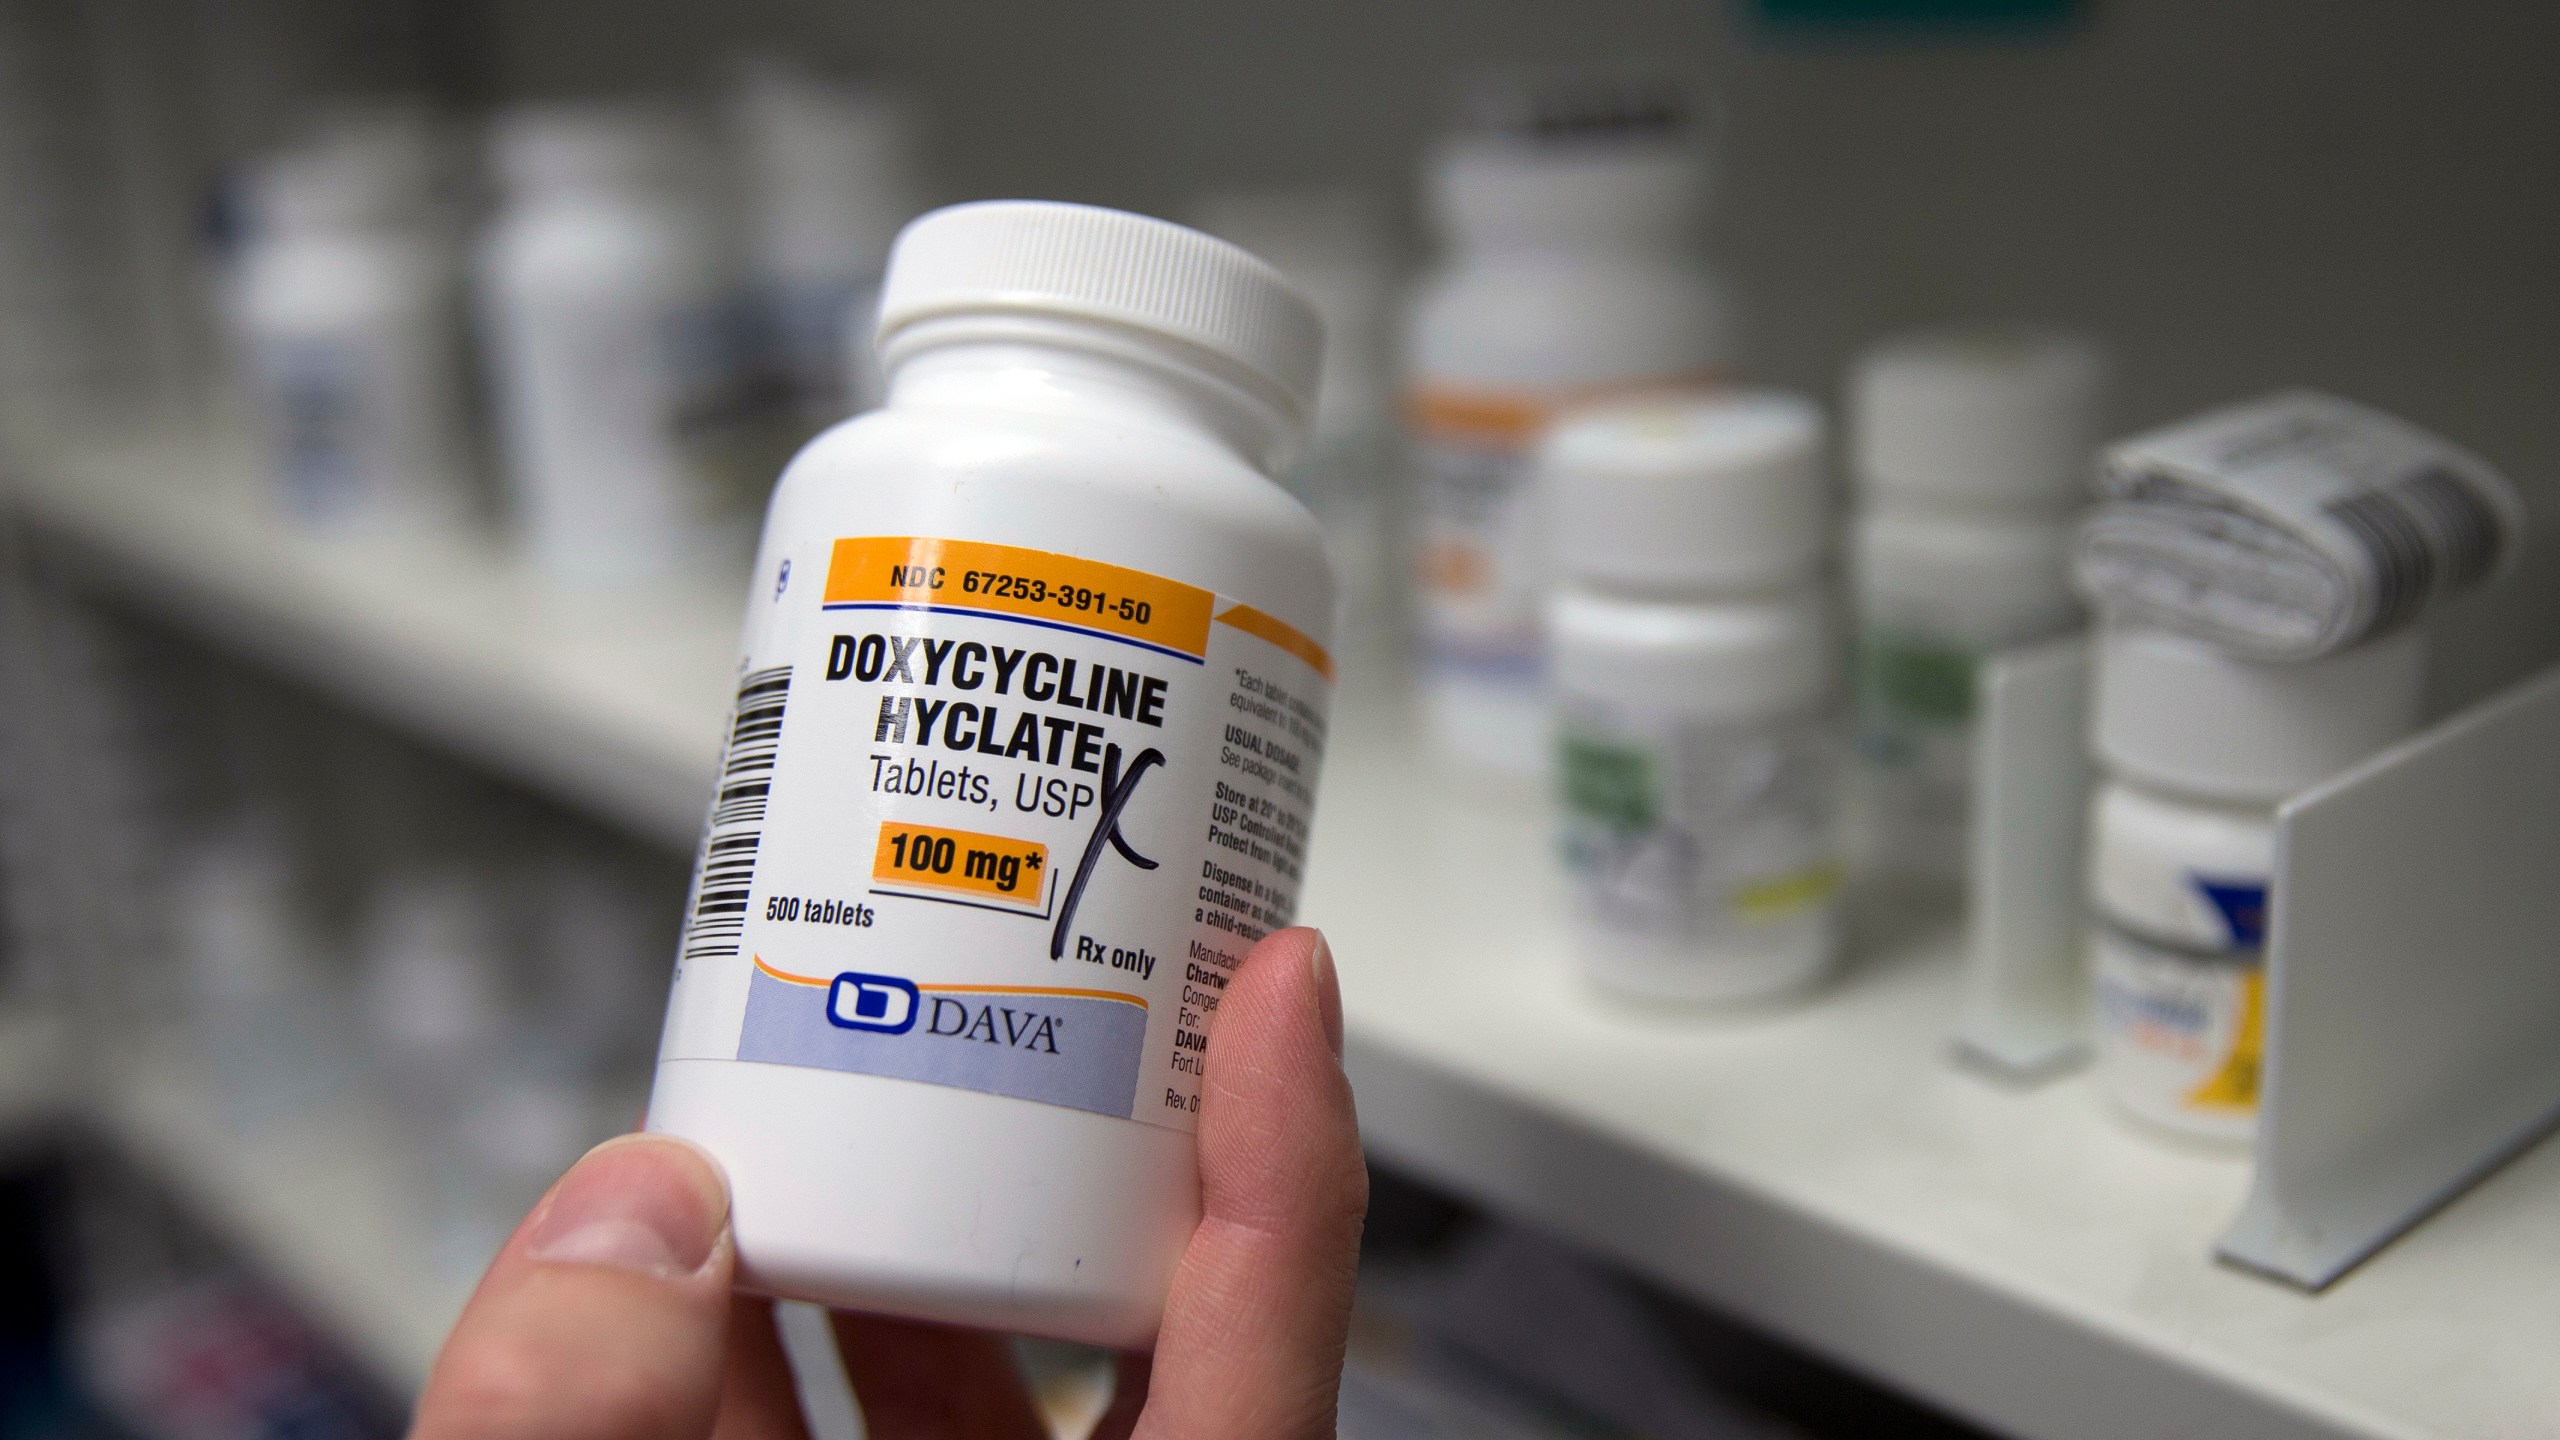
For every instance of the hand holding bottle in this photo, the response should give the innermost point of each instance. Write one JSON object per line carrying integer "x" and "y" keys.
{"x": 609, "y": 1314}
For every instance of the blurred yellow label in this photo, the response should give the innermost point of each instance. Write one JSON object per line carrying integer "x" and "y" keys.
{"x": 2234, "y": 1084}
{"x": 1783, "y": 895}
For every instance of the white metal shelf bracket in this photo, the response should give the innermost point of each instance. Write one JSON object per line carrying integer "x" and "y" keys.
{"x": 2024, "y": 995}
{"x": 2413, "y": 987}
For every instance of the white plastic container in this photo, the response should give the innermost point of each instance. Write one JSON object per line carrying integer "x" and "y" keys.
{"x": 1572, "y": 271}
{"x": 1970, "y": 450}
{"x": 831, "y": 173}
{"x": 347, "y": 309}
{"x": 1032, "y": 708}
{"x": 2199, "y": 749}
{"x": 603, "y": 296}
{"x": 1696, "y": 668}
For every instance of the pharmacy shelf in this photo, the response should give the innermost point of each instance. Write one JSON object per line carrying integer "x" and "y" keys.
{"x": 611, "y": 698}
{"x": 2017, "y": 1256}
{"x": 35, "y": 1051}
{"x": 322, "y": 1206}
{"x": 325, "y": 1206}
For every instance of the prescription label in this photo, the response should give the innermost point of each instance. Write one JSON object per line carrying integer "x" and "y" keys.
{"x": 1482, "y": 563}
{"x": 2179, "y": 1033}
{"x": 1681, "y": 828}
{"x": 999, "y": 818}
{"x": 1915, "y": 694}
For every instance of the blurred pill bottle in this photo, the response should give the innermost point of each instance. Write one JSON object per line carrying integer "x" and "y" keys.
{"x": 831, "y": 171}
{"x": 347, "y": 312}
{"x": 1031, "y": 710}
{"x": 2197, "y": 750}
{"x": 1697, "y": 675}
{"x": 603, "y": 298}
{"x": 1570, "y": 214}
{"x": 1334, "y": 246}
{"x": 1969, "y": 453}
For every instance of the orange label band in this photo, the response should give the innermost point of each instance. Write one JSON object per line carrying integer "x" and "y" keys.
{"x": 1042, "y": 585}
{"x": 911, "y": 572}
{"x": 1279, "y": 632}
{"x": 992, "y": 867}
{"x": 1069, "y": 992}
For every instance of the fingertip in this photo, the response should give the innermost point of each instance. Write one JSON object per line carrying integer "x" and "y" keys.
{"x": 1279, "y": 1133}
{"x": 655, "y": 1204}
{"x": 1328, "y": 992}
{"x": 1288, "y": 982}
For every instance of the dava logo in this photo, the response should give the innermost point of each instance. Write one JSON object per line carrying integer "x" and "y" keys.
{"x": 889, "y": 1005}
{"x": 994, "y": 1025}
{"x": 881, "y": 1003}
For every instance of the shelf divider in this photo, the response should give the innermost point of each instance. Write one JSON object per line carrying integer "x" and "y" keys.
{"x": 2025, "y": 998}
{"x": 2413, "y": 987}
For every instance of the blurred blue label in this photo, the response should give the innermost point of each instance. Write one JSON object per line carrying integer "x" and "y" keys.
{"x": 2243, "y": 907}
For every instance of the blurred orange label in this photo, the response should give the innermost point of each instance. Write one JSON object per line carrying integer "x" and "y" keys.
{"x": 1507, "y": 418}
{"x": 993, "y": 867}
{"x": 1456, "y": 567}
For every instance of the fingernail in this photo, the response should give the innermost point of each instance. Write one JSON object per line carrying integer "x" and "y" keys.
{"x": 1328, "y": 993}
{"x": 647, "y": 1203}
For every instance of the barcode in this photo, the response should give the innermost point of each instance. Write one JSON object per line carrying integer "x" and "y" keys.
{"x": 728, "y": 865}
{"x": 2426, "y": 534}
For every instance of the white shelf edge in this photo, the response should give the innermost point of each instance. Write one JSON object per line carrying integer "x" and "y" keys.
{"x": 439, "y": 632}
{"x": 2015, "y": 1255}
{"x": 318, "y": 1208}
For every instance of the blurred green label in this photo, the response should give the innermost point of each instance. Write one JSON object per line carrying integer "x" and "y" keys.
{"x": 1911, "y": 679}
{"x": 1612, "y": 785}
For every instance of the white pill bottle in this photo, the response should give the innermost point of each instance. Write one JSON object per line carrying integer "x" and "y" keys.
{"x": 1573, "y": 271}
{"x": 1029, "y": 720}
{"x": 2198, "y": 750}
{"x": 603, "y": 299}
{"x": 831, "y": 173}
{"x": 1697, "y": 672}
{"x": 348, "y": 309}
{"x": 1970, "y": 450}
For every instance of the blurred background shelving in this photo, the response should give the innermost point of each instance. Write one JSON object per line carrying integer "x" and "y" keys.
{"x": 1829, "y": 1175}
{"x": 2350, "y": 195}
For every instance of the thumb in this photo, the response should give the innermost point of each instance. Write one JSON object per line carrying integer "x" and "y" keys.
{"x": 1253, "y": 1330}
{"x": 605, "y": 1317}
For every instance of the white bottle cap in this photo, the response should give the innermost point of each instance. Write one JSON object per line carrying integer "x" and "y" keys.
{"x": 543, "y": 148}
{"x": 2176, "y": 713}
{"x": 1332, "y": 244}
{"x": 385, "y": 163}
{"x": 1718, "y": 492}
{"x": 1083, "y": 262}
{"x": 1760, "y": 655}
{"x": 1500, "y": 193}
{"x": 1986, "y": 416}
{"x": 1572, "y": 158}
{"x": 1988, "y": 577}
{"x": 830, "y": 163}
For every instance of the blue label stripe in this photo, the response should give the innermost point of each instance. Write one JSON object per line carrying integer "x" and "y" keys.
{"x": 1081, "y": 1051}
{"x": 2242, "y": 904}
